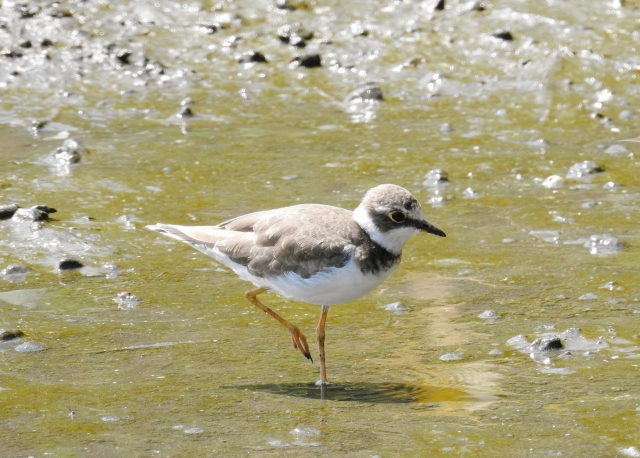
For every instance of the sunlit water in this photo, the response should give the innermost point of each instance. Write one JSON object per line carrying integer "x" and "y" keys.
{"x": 515, "y": 335}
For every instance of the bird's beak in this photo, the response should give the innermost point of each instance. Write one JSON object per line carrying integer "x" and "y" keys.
{"x": 430, "y": 228}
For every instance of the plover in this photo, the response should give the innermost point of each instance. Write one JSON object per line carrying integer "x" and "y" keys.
{"x": 313, "y": 253}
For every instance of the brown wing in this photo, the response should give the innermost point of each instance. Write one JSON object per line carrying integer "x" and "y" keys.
{"x": 302, "y": 239}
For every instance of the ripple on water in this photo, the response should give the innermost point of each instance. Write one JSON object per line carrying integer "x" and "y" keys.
{"x": 612, "y": 285}
{"x": 557, "y": 370}
{"x": 549, "y": 236}
{"x": 469, "y": 193}
{"x": 630, "y": 451}
{"x": 396, "y": 307}
{"x": 279, "y": 443}
{"x": 553, "y": 182}
{"x": 489, "y": 315}
{"x": 617, "y": 149}
{"x": 518, "y": 341}
{"x": 476, "y": 43}
{"x": 562, "y": 219}
{"x": 305, "y": 431}
{"x": 603, "y": 244}
{"x": 611, "y": 186}
{"x": 436, "y": 201}
{"x": 30, "y": 346}
{"x": 301, "y": 443}
{"x": 126, "y": 300}
{"x": 452, "y": 356}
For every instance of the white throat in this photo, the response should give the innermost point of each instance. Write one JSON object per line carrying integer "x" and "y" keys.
{"x": 392, "y": 241}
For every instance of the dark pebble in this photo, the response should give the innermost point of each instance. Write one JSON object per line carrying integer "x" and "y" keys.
{"x": 367, "y": 93}
{"x": 440, "y": 5}
{"x": 506, "y": 35}
{"x": 547, "y": 343}
{"x": 62, "y": 14}
{"x": 64, "y": 156}
{"x": 358, "y": 30}
{"x": 297, "y": 41}
{"x": 123, "y": 56}
{"x": 307, "y": 61}
{"x": 26, "y": 11}
{"x": 583, "y": 169}
{"x": 232, "y": 41}
{"x": 283, "y": 5}
{"x": 25, "y": 44}
{"x": 10, "y": 335}
{"x": 32, "y": 214}
{"x": 36, "y": 126}
{"x": 155, "y": 68}
{"x": 252, "y": 57}
{"x": 294, "y": 35}
{"x": 208, "y": 27}
{"x": 14, "y": 269}
{"x": 69, "y": 264}
{"x": 435, "y": 178}
{"x": 45, "y": 208}
{"x": 7, "y": 211}
{"x": 600, "y": 117}
{"x": 12, "y": 54}
{"x": 69, "y": 153}
{"x": 185, "y": 112}
{"x": 46, "y": 43}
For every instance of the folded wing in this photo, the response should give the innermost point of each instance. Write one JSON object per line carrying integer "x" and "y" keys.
{"x": 276, "y": 242}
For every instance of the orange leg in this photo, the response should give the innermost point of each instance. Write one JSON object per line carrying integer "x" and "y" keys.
{"x": 320, "y": 334}
{"x": 297, "y": 337}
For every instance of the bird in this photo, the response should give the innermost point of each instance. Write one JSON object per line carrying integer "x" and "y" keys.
{"x": 313, "y": 253}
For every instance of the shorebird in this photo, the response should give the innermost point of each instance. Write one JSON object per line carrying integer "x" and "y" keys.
{"x": 313, "y": 253}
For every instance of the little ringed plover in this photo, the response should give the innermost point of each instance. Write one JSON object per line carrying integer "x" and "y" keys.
{"x": 313, "y": 253}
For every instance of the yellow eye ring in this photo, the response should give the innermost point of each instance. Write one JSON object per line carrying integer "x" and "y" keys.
{"x": 397, "y": 217}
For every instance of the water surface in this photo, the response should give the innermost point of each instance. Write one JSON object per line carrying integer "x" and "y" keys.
{"x": 193, "y": 369}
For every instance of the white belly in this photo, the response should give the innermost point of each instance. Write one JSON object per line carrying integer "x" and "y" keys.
{"x": 333, "y": 286}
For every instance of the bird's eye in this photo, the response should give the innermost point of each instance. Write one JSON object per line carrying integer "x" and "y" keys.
{"x": 397, "y": 217}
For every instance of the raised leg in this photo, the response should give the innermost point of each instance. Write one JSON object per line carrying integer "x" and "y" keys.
{"x": 297, "y": 337}
{"x": 320, "y": 334}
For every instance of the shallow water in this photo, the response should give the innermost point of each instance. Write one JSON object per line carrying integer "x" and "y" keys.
{"x": 192, "y": 368}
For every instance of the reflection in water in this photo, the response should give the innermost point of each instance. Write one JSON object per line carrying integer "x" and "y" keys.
{"x": 397, "y": 393}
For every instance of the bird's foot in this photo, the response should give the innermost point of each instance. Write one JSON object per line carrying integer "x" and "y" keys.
{"x": 300, "y": 342}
